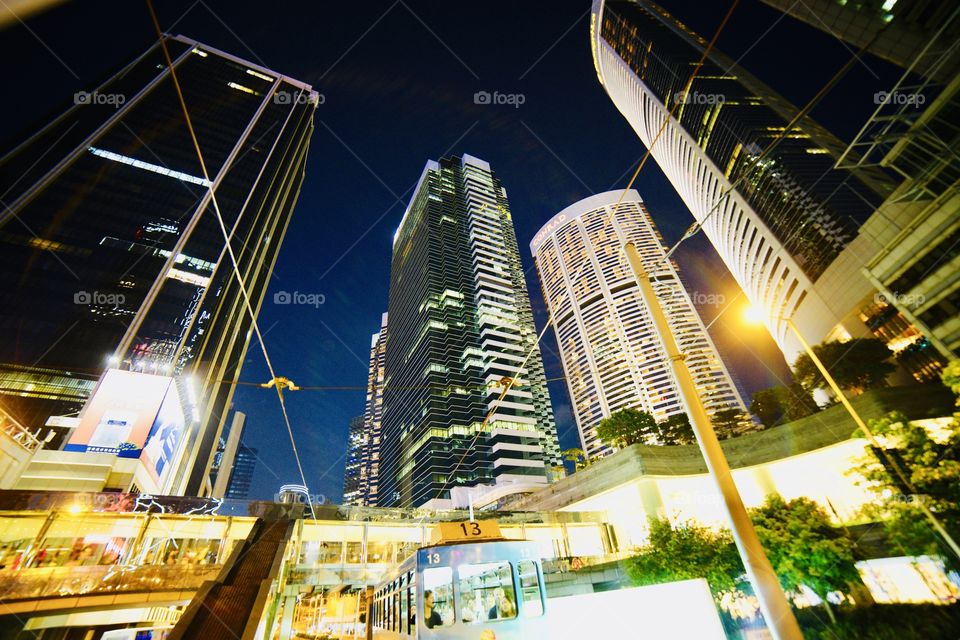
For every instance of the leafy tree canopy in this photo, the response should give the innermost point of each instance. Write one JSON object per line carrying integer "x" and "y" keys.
{"x": 856, "y": 365}
{"x": 626, "y": 427}
{"x": 685, "y": 552}
{"x": 803, "y": 547}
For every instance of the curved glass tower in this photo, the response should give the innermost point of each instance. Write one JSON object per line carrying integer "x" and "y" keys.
{"x": 782, "y": 230}
{"x": 611, "y": 356}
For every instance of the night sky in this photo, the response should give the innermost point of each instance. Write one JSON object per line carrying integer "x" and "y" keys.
{"x": 398, "y": 81}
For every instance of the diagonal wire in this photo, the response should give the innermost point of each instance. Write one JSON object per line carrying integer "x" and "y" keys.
{"x": 227, "y": 240}
{"x": 508, "y": 383}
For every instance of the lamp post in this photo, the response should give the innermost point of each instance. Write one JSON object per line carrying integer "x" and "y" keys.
{"x": 934, "y": 522}
{"x": 773, "y": 602}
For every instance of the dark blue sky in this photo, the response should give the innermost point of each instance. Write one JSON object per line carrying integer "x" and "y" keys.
{"x": 398, "y": 80}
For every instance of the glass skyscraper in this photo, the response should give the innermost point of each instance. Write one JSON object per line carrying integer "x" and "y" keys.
{"x": 241, "y": 476}
{"x": 612, "y": 357}
{"x": 460, "y": 322}
{"x": 111, "y": 253}
{"x": 783, "y": 228}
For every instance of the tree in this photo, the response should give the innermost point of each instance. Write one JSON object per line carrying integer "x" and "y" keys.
{"x": 577, "y": 457}
{"x": 932, "y": 468}
{"x": 767, "y": 407}
{"x": 780, "y": 404}
{"x": 856, "y": 365}
{"x": 626, "y": 427}
{"x": 804, "y": 547}
{"x": 727, "y": 422}
{"x": 675, "y": 430}
{"x": 685, "y": 552}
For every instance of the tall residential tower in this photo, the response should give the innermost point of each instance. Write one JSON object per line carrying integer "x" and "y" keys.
{"x": 612, "y": 357}
{"x": 460, "y": 322}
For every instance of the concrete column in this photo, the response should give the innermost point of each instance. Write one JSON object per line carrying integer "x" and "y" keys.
{"x": 286, "y": 622}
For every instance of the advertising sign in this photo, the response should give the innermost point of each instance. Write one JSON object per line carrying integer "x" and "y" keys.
{"x": 164, "y": 439}
{"x": 121, "y": 415}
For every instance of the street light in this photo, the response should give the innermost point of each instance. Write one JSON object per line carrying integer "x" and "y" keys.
{"x": 773, "y": 601}
{"x": 756, "y": 315}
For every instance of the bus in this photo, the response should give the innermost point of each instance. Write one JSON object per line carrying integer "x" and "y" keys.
{"x": 494, "y": 589}
{"x": 471, "y": 589}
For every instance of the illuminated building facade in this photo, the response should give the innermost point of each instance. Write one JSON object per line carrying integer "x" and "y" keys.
{"x": 351, "y": 470}
{"x": 783, "y": 229}
{"x": 460, "y": 322}
{"x": 612, "y": 358}
{"x": 111, "y": 250}
{"x": 241, "y": 476}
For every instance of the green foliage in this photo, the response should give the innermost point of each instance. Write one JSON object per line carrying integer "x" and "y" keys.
{"x": 884, "y": 622}
{"x": 803, "y": 547}
{"x": 932, "y": 470}
{"x": 856, "y": 365}
{"x": 727, "y": 422}
{"x": 951, "y": 378}
{"x": 626, "y": 427}
{"x": 577, "y": 457}
{"x": 781, "y": 404}
{"x": 675, "y": 430}
{"x": 686, "y": 552}
{"x": 767, "y": 407}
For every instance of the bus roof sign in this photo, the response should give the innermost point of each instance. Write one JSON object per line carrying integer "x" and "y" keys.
{"x": 472, "y": 531}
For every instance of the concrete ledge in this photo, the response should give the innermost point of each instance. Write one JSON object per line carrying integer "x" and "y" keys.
{"x": 820, "y": 430}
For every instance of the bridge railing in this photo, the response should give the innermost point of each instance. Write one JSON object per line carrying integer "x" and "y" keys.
{"x": 57, "y": 582}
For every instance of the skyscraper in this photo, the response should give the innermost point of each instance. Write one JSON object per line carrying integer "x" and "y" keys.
{"x": 783, "y": 230}
{"x": 112, "y": 253}
{"x": 460, "y": 322}
{"x": 612, "y": 357}
{"x": 242, "y": 474}
{"x": 351, "y": 471}
{"x": 896, "y": 30}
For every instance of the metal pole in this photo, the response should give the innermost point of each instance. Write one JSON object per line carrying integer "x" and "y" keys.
{"x": 773, "y": 602}
{"x": 934, "y": 522}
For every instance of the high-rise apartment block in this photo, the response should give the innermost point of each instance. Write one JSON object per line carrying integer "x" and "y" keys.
{"x": 612, "y": 357}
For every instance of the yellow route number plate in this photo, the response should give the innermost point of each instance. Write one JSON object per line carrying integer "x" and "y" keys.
{"x": 475, "y": 531}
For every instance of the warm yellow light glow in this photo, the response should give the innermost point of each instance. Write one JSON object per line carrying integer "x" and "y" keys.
{"x": 753, "y": 315}
{"x": 74, "y": 509}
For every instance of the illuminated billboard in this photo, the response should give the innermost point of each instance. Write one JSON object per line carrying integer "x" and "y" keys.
{"x": 121, "y": 415}
{"x": 164, "y": 439}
